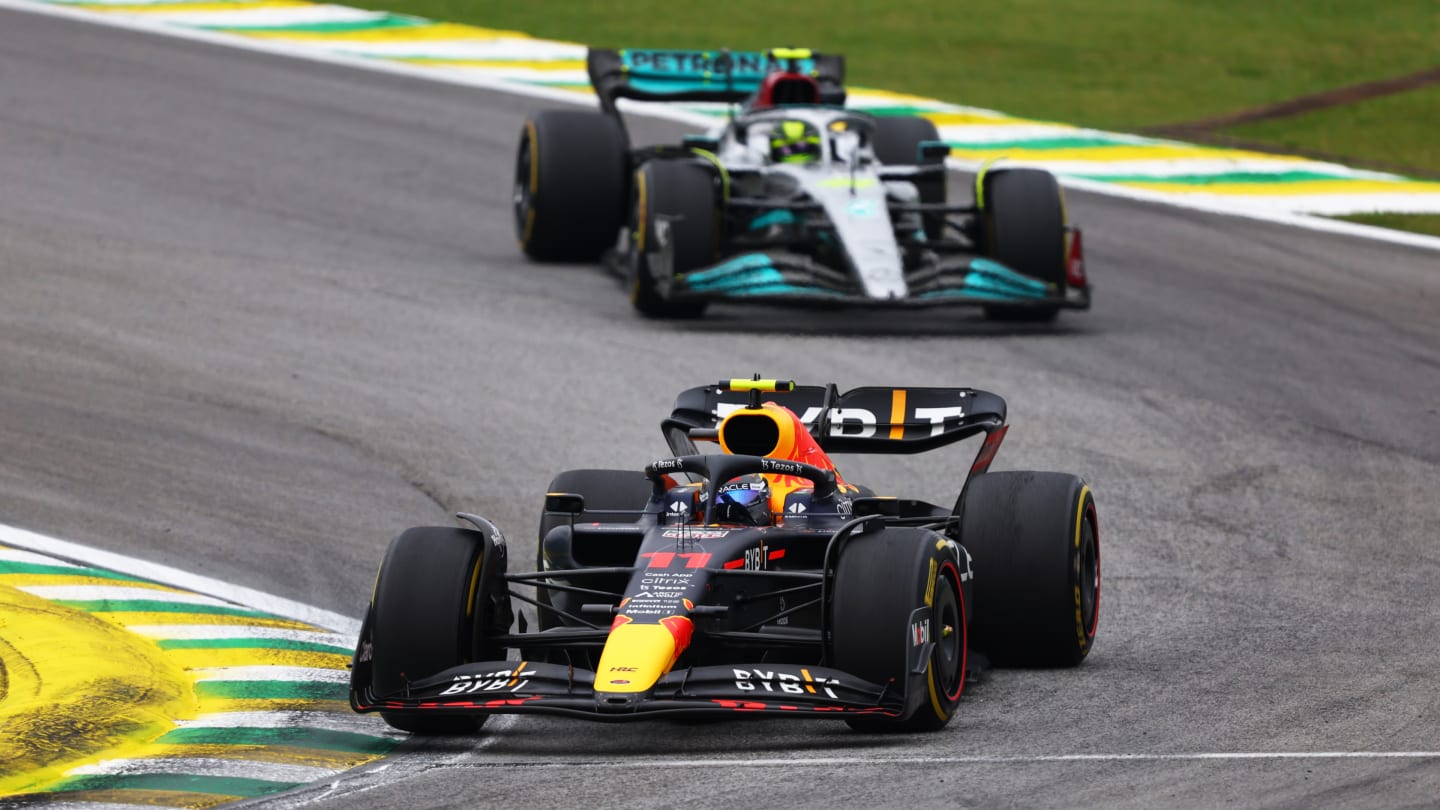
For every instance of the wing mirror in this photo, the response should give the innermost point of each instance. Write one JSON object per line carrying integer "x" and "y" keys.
{"x": 701, "y": 142}
{"x": 566, "y": 503}
{"x": 933, "y": 151}
{"x": 886, "y": 507}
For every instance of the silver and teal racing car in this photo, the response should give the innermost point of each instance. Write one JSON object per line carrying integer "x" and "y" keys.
{"x": 794, "y": 199}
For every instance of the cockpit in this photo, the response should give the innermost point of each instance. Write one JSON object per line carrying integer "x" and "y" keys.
{"x": 805, "y": 136}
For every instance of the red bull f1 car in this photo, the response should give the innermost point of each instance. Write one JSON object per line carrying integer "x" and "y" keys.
{"x": 793, "y": 199}
{"x": 753, "y": 579}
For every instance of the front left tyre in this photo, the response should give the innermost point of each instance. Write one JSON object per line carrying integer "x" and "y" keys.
{"x": 571, "y": 174}
{"x": 439, "y": 597}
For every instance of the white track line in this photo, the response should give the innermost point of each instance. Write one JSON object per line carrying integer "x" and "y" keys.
{"x": 1312, "y": 223}
{"x": 165, "y": 632}
{"x": 114, "y": 593}
{"x": 208, "y": 766}
{"x": 272, "y": 674}
{"x": 248, "y": 597}
{"x": 15, "y": 555}
{"x": 347, "y": 721}
{"x": 82, "y": 805}
{"x": 264, "y": 17}
{"x": 975, "y": 759}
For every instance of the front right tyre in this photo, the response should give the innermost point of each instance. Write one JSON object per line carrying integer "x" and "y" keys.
{"x": 1023, "y": 215}
{"x": 675, "y": 229}
{"x": 898, "y": 617}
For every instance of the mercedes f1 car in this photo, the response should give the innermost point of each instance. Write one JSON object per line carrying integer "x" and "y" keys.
{"x": 794, "y": 199}
{"x": 751, "y": 580}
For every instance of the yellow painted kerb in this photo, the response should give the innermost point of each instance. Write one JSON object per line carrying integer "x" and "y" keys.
{"x": 96, "y": 692}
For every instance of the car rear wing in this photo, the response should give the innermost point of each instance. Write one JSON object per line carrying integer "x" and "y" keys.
{"x": 862, "y": 420}
{"x": 720, "y": 76}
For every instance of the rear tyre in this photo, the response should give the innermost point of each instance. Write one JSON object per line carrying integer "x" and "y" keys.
{"x": 673, "y": 205}
{"x": 602, "y": 490}
{"x": 896, "y": 139}
{"x": 570, "y": 185}
{"x": 1024, "y": 219}
{"x": 1036, "y": 546}
{"x": 422, "y": 620}
{"x": 881, "y": 610}
{"x": 896, "y": 142}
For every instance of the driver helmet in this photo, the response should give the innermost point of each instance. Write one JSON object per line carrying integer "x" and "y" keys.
{"x": 745, "y": 501}
{"x": 794, "y": 142}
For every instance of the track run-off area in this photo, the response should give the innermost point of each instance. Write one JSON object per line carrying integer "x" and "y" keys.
{"x": 261, "y": 314}
{"x": 123, "y": 690}
{"x": 1205, "y": 177}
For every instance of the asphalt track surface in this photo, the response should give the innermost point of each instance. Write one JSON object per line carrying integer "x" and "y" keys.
{"x": 259, "y": 315}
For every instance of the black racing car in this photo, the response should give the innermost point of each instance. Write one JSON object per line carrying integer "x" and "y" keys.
{"x": 753, "y": 579}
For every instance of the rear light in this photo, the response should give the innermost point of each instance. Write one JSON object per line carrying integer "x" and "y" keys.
{"x": 1075, "y": 262}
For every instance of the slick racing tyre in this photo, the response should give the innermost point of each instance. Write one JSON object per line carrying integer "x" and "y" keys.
{"x": 674, "y": 211}
{"x": 570, "y": 185}
{"x": 896, "y": 139}
{"x": 422, "y": 620}
{"x": 603, "y": 490}
{"x": 899, "y": 600}
{"x": 1024, "y": 229}
{"x": 896, "y": 142}
{"x": 1036, "y": 548}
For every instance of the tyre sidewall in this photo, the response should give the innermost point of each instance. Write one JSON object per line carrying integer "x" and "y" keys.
{"x": 1027, "y": 533}
{"x": 439, "y": 595}
{"x": 570, "y": 196}
{"x": 1024, "y": 229}
{"x": 896, "y": 142}
{"x": 884, "y": 620}
{"x": 672, "y": 202}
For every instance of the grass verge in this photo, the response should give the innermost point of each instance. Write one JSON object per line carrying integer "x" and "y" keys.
{"x": 1416, "y": 223}
{"x": 1113, "y": 64}
{"x": 1120, "y": 64}
{"x": 1398, "y": 129}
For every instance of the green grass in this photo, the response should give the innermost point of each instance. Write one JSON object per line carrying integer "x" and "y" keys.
{"x": 1389, "y": 133}
{"x": 1418, "y": 223}
{"x": 1398, "y": 129}
{"x": 1113, "y": 64}
{"x": 1110, "y": 63}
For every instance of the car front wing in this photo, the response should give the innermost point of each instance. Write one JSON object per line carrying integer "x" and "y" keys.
{"x": 783, "y": 277}
{"x": 511, "y": 687}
